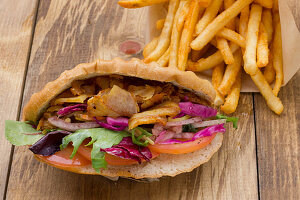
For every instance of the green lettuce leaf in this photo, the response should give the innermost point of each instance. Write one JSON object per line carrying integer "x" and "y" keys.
{"x": 101, "y": 138}
{"x": 15, "y": 133}
{"x": 234, "y": 120}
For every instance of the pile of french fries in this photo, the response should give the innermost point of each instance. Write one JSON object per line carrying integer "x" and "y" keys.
{"x": 228, "y": 36}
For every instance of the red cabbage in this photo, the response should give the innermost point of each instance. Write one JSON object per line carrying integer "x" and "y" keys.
{"x": 108, "y": 126}
{"x": 119, "y": 121}
{"x": 127, "y": 150}
{"x": 49, "y": 144}
{"x": 62, "y": 124}
{"x": 121, "y": 152}
{"x": 146, "y": 153}
{"x": 197, "y": 110}
{"x": 209, "y": 131}
{"x": 203, "y": 133}
{"x": 179, "y": 115}
{"x": 67, "y": 110}
{"x": 126, "y": 141}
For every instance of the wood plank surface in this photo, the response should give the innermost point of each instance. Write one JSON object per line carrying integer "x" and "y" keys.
{"x": 70, "y": 32}
{"x": 16, "y": 24}
{"x": 278, "y": 144}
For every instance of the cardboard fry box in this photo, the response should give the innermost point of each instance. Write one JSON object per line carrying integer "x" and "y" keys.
{"x": 290, "y": 42}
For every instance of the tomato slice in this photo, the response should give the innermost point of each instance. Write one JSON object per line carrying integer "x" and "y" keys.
{"x": 114, "y": 160}
{"x": 110, "y": 159}
{"x": 182, "y": 148}
{"x": 62, "y": 158}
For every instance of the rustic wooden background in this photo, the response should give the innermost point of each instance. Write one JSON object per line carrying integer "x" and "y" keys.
{"x": 39, "y": 39}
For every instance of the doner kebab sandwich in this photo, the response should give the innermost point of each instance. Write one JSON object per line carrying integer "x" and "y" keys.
{"x": 122, "y": 119}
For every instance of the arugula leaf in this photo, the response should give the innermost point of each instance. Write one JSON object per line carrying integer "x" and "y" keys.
{"x": 234, "y": 120}
{"x": 15, "y": 133}
{"x": 101, "y": 139}
{"x": 189, "y": 128}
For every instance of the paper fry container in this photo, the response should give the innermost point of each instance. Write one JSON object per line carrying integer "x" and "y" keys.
{"x": 290, "y": 42}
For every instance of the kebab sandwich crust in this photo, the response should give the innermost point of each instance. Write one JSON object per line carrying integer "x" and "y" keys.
{"x": 164, "y": 164}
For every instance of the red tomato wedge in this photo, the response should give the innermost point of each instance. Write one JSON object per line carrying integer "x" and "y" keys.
{"x": 182, "y": 148}
{"x": 110, "y": 159}
{"x": 62, "y": 158}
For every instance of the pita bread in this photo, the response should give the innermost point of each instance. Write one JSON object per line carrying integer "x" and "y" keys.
{"x": 164, "y": 164}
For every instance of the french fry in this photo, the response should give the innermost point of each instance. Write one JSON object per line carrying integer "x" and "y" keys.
{"x": 150, "y": 47}
{"x": 265, "y": 3}
{"x": 196, "y": 55}
{"x": 244, "y": 18}
{"x": 269, "y": 71}
{"x": 275, "y": 6}
{"x": 222, "y": 44}
{"x": 164, "y": 59}
{"x": 231, "y": 73}
{"x": 209, "y": 14}
{"x": 232, "y": 36}
{"x": 182, "y": 17}
{"x": 213, "y": 42}
{"x": 211, "y": 61}
{"x": 175, "y": 37}
{"x": 231, "y": 23}
{"x": 160, "y": 24}
{"x": 267, "y": 21}
{"x": 265, "y": 89}
{"x": 217, "y": 76}
{"x": 204, "y": 3}
{"x": 251, "y": 41}
{"x": 139, "y": 3}
{"x": 237, "y": 23}
{"x": 164, "y": 38}
{"x": 223, "y": 47}
{"x": 187, "y": 34}
{"x": 232, "y": 99}
{"x": 262, "y": 47}
{"x": 277, "y": 54}
{"x": 218, "y": 23}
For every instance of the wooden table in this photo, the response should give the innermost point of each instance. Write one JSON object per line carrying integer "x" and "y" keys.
{"x": 39, "y": 39}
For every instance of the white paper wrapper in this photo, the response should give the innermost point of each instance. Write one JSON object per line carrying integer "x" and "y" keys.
{"x": 290, "y": 42}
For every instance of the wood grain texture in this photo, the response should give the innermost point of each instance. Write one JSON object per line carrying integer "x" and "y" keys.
{"x": 16, "y": 24}
{"x": 278, "y": 143}
{"x": 71, "y": 32}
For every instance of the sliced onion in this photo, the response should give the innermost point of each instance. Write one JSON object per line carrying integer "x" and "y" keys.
{"x": 176, "y": 129}
{"x": 62, "y": 124}
{"x": 184, "y": 122}
{"x": 119, "y": 121}
{"x": 164, "y": 135}
{"x": 185, "y": 135}
{"x": 209, "y": 123}
{"x": 209, "y": 131}
{"x": 108, "y": 126}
